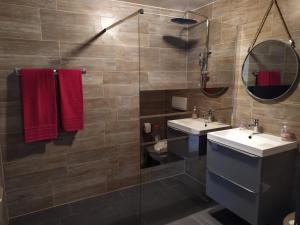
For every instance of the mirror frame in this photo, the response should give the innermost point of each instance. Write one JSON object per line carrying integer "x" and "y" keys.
{"x": 293, "y": 85}
{"x": 215, "y": 95}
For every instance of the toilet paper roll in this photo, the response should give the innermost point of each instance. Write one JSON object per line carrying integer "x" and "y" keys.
{"x": 147, "y": 128}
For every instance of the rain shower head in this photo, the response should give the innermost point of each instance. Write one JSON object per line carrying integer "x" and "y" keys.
{"x": 184, "y": 21}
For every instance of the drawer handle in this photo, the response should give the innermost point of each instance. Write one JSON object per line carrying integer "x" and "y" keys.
{"x": 231, "y": 181}
{"x": 237, "y": 150}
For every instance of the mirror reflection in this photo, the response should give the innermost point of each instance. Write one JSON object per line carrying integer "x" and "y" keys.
{"x": 270, "y": 70}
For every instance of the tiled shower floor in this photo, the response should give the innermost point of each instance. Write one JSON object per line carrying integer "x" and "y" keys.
{"x": 168, "y": 201}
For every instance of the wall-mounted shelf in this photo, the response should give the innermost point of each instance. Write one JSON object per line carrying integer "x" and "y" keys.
{"x": 166, "y": 115}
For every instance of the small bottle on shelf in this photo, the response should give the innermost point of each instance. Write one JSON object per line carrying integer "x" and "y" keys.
{"x": 156, "y": 132}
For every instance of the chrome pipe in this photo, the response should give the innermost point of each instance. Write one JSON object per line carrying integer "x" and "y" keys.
{"x": 140, "y": 11}
{"x": 207, "y": 44}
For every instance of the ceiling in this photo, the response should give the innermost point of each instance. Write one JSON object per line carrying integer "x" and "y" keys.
{"x": 173, "y": 4}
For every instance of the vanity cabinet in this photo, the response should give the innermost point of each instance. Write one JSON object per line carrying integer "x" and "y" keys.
{"x": 188, "y": 139}
{"x": 190, "y": 146}
{"x": 258, "y": 189}
{"x": 193, "y": 149}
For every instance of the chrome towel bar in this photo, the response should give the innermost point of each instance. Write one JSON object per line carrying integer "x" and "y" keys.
{"x": 55, "y": 71}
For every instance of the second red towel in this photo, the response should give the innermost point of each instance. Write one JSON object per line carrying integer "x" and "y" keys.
{"x": 71, "y": 98}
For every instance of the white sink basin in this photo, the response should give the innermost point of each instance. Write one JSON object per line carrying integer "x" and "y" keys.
{"x": 261, "y": 145}
{"x": 196, "y": 126}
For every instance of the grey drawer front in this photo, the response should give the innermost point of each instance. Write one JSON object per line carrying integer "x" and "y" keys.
{"x": 236, "y": 199}
{"x": 238, "y": 167}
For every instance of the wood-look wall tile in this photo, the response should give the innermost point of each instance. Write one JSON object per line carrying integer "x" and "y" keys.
{"x": 127, "y": 65}
{"x": 55, "y": 17}
{"x": 29, "y": 199}
{"x": 67, "y": 26}
{"x": 171, "y": 60}
{"x": 127, "y": 175}
{"x": 121, "y": 138}
{"x": 100, "y": 115}
{"x": 14, "y": 147}
{"x": 88, "y": 51}
{"x": 149, "y": 59}
{"x": 93, "y": 85}
{"x": 12, "y": 62}
{"x": 166, "y": 77}
{"x": 166, "y": 28}
{"x": 91, "y": 129}
{"x": 9, "y": 87}
{"x": 90, "y": 156}
{"x": 100, "y": 104}
{"x": 34, "y": 179}
{"x": 51, "y": 4}
{"x": 159, "y": 41}
{"x": 80, "y": 183}
{"x": 121, "y": 90}
{"x": 19, "y": 22}
{"x": 128, "y": 114}
{"x": 36, "y": 164}
{"x": 28, "y": 47}
{"x": 130, "y": 102}
{"x": 121, "y": 78}
{"x": 121, "y": 126}
{"x": 102, "y": 7}
{"x": 91, "y": 64}
{"x": 129, "y": 153}
{"x": 123, "y": 38}
{"x": 10, "y": 113}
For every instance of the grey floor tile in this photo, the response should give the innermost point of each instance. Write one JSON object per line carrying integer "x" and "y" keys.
{"x": 46, "y": 217}
{"x": 162, "y": 202}
{"x": 185, "y": 221}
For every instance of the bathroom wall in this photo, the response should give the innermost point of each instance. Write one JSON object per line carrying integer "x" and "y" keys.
{"x": 104, "y": 156}
{"x": 164, "y": 64}
{"x": 221, "y": 65}
{"x": 247, "y": 15}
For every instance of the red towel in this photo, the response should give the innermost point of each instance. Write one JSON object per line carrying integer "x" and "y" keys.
{"x": 268, "y": 78}
{"x": 39, "y": 104}
{"x": 262, "y": 78}
{"x": 71, "y": 98}
{"x": 274, "y": 78}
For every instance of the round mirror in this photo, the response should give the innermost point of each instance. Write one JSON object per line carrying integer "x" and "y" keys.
{"x": 270, "y": 70}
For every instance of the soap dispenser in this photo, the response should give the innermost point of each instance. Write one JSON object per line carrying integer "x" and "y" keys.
{"x": 285, "y": 134}
{"x": 195, "y": 113}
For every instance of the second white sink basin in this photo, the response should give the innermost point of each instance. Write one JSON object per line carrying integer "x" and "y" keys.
{"x": 261, "y": 145}
{"x": 196, "y": 126}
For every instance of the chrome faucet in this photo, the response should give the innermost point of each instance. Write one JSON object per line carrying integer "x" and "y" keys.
{"x": 210, "y": 115}
{"x": 255, "y": 126}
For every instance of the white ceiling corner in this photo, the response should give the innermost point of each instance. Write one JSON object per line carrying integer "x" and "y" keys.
{"x": 181, "y": 5}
